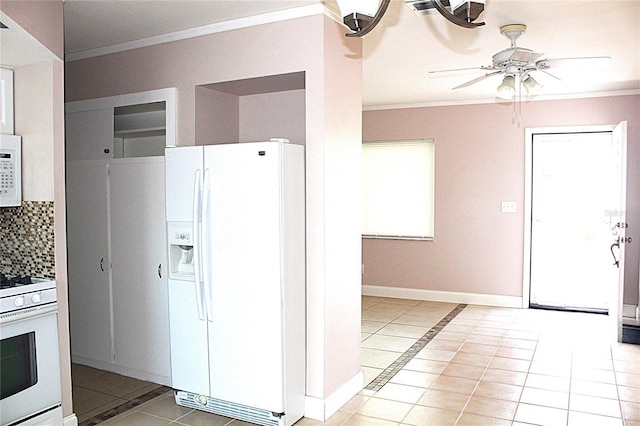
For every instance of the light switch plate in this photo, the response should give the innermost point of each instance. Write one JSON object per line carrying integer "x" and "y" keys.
{"x": 509, "y": 207}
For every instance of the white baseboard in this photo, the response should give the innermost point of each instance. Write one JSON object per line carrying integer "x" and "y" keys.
{"x": 321, "y": 409}
{"x": 114, "y": 368}
{"x": 70, "y": 420}
{"x": 443, "y": 296}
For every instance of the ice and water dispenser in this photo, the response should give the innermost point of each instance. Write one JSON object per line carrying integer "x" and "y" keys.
{"x": 180, "y": 250}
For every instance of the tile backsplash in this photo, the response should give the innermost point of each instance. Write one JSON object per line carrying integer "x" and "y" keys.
{"x": 26, "y": 239}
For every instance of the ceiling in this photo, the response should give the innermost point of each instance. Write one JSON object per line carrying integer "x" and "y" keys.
{"x": 404, "y": 46}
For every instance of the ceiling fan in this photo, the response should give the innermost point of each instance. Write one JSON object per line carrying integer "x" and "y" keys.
{"x": 517, "y": 64}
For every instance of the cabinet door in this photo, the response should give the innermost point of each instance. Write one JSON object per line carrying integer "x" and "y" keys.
{"x": 89, "y": 134}
{"x": 138, "y": 250}
{"x": 6, "y": 101}
{"x": 88, "y": 263}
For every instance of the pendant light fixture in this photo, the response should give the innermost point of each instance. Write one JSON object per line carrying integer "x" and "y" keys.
{"x": 361, "y": 16}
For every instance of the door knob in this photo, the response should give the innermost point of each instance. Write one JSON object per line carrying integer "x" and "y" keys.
{"x": 616, "y": 262}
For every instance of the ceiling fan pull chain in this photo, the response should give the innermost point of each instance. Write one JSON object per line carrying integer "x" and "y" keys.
{"x": 520, "y": 99}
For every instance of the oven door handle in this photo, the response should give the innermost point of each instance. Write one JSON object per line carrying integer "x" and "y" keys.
{"x": 28, "y": 313}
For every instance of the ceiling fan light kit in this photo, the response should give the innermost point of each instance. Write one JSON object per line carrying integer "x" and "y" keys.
{"x": 518, "y": 63}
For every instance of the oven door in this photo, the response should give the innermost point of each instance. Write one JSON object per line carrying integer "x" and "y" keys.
{"x": 29, "y": 364}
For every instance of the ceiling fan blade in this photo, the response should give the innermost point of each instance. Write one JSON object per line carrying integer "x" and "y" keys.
{"x": 526, "y": 56}
{"x": 461, "y": 69}
{"x": 549, "y": 74}
{"x": 476, "y": 80}
{"x": 586, "y": 62}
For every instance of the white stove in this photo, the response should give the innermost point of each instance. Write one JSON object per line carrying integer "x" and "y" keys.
{"x": 29, "y": 334}
{"x": 18, "y": 293}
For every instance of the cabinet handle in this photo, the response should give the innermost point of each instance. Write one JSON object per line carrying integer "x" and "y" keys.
{"x": 160, "y": 270}
{"x": 102, "y": 264}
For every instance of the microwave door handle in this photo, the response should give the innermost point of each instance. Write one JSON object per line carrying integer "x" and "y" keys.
{"x": 196, "y": 224}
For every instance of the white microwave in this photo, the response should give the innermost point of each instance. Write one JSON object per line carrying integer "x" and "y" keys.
{"x": 10, "y": 171}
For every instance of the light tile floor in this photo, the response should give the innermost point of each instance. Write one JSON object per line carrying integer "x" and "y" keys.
{"x": 487, "y": 366}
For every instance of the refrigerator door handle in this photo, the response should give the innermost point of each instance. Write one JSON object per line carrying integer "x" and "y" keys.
{"x": 206, "y": 256}
{"x": 197, "y": 241}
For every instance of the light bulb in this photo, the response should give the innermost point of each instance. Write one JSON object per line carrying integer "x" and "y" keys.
{"x": 507, "y": 89}
{"x": 531, "y": 85}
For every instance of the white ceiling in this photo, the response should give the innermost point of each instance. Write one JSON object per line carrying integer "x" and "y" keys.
{"x": 404, "y": 46}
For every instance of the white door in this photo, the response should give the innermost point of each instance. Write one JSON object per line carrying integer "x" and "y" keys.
{"x": 574, "y": 208}
{"x": 619, "y": 139}
{"x": 243, "y": 258}
{"x": 88, "y": 261}
{"x": 138, "y": 250}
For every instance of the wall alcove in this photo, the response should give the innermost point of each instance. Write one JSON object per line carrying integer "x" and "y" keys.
{"x": 250, "y": 110}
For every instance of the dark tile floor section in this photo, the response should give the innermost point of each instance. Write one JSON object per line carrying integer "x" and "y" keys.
{"x": 631, "y": 334}
{"x": 393, "y": 369}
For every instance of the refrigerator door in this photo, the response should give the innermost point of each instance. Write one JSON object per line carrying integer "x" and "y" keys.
{"x": 181, "y": 164}
{"x": 242, "y": 252}
{"x": 189, "y": 340}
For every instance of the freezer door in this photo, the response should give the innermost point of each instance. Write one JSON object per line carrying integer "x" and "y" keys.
{"x": 189, "y": 342}
{"x": 243, "y": 263}
{"x": 181, "y": 164}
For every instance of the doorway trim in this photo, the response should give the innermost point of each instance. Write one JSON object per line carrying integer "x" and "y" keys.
{"x": 528, "y": 152}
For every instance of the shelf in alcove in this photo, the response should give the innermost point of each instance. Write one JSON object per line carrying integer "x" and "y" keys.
{"x": 140, "y": 133}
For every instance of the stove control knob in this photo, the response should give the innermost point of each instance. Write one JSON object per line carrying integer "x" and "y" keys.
{"x": 19, "y": 301}
{"x": 36, "y": 298}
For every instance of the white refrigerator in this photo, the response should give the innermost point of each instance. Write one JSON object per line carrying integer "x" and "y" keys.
{"x": 236, "y": 229}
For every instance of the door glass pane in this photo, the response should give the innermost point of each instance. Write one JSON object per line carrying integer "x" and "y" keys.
{"x": 18, "y": 370}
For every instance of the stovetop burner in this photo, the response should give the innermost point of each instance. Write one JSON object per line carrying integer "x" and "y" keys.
{"x": 8, "y": 282}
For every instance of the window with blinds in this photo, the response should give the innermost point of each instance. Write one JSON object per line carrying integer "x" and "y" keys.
{"x": 398, "y": 189}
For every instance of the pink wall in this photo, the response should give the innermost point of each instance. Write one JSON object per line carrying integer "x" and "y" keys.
{"x": 479, "y": 163}
{"x": 42, "y": 19}
{"x": 216, "y": 116}
{"x": 279, "y": 114}
{"x": 332, "y": 138}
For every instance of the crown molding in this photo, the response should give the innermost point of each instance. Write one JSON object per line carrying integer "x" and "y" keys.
{"x": 613, "y": 93}
{"x": 250, "y": 21}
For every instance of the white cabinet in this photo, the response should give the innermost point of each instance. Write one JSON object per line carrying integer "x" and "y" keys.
{"x": 125, "y": 126}
{"x": 88, "y": 260}
{"x": 117, "y": 233}
{"x": 138, "y": 255}
{"x": 6, "y": 101}
{"x": 117, "y": 259}
{"x": 89, "y": 134}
